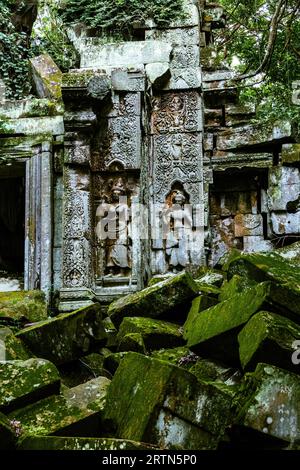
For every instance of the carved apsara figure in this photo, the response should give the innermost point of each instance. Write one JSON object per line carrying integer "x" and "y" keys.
{"x": 114, "y": 227}
{"x": 178, "y": 218}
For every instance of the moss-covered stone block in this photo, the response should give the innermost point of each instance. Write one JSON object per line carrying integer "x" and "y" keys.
{"x": 211, "y": 278}
{"x": 214, "y": 332}
{"x": 290, "y": 153}
{"x": 269, "y": 403}
{"x": 80, "y": 443}
{"x": 268, "y": 337}
{"x": 156, "y": 300}
{"x": 154, "y": 401}
{"x": 12, "y": 348}
{"x": 47, "y": 77}
{"x": 113, "y": 360}
{"x": 8, "y": 437}
{"x": 159, "y": 278}
{"x": 172, "y": 355}
{"x": 76, "y": 413}
{"x": 156, "y": 334}
{"x": 267, "y": 267}
{"x": 235, "y": 286}
{"x": 111, "y": 333}
{"x": 199, "y": 304}
{"x": 66, "y": 337}
{"x": 23, "y": 382}
{"x": 290, "y": 252}
{"x": 132, "y": 342}
{"x": 25, "y": 306}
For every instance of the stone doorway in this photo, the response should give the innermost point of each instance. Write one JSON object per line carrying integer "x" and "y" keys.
{"x": 12, "y": 227}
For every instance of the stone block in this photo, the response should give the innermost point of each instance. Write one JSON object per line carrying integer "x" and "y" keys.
{"x": 184, "y": 78}
{"x": 158, "y": 74}
{"x": 11, "y": 348}
{"x": 271, "y": 403}
{"x": 199, "y": 304}
{"x": 271, "y": 338}
{"x": 67, "y": 336}
{"x": 256, "y": 244}
{"x": 284, "y": 187}
{"x": 125, "y": 54}
{"x": 290, "y": 153}
{"x": 76, "y": 413}
{"x": 23, "y": 306}
{"x": 156, "y": 300}
{"x": 185, "y": 56}
{"x": 156, "y": 334}
{"x": 131, "y": 79}
{"x": 23, "y": 382}
{"x": 175, "y": 36}
{"x": 47, "y": 77}
{"x": 177, "y": 412}
{"x": 248, "y": 225}
{"x": 214, "y": 333}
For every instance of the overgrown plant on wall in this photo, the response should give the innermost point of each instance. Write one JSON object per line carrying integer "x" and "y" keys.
{"x": 14, "y": 51}
{"x": 117, "y": 17}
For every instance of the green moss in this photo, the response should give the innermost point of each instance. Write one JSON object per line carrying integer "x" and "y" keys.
{"x": 13, "y": 348}
{"x": 268, "y": 337}
{"x": 155, "y": 300}
{"x": 173, "y": 355}
{"x": 199, "y": 304}
{"x": 80, "y": 443}
{"x": 29, "y": 306}
{"x": 78, "y": 79}
{"x": 23, "y": 382}
{"x": 132, "y": 342}
{"x": 235, "y": 286}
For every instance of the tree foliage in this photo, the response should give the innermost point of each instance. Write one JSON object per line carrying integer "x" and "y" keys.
{"x": 263, "y": 36}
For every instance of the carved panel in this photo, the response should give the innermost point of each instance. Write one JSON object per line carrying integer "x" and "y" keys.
{"x": 176, "y": 112}
{"x": 119, "y": 141}
{"x": 76, "y": 263}
{"x": 177, "y": 157}
{"x": 124, "y": 104}
{"x": 78, "y": 153}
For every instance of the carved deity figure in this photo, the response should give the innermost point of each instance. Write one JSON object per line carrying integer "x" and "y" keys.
{"x": 177, "y": 217}
{"x": 114, "y": 228}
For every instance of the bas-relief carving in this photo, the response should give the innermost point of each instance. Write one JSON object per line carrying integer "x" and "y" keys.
{"x": 176, "y": 112}
{"x": 113, "y": 224}
{"x": 177, "y": 157}
{"x": 76, "y": 263}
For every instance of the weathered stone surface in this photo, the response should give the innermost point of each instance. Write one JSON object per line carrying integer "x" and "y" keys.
{"x": 11, "y": 348}
{"x": 285, "y": 224}
{"x": 67, "y": 336}
{"x": 33, "y": 127}
{"x": 47, "y": 77}
{"x": 131, "y": 79}
{"x": 248, "y": 225}
{"x": 200, "y": 303}
{"x": 80, "y": 443}
{"x": 267, "y": 266}
{"x": 26, "y": 306}
{"x": 256, "y": 244}
{"x": 252, "y": 135}
{"x": 271, "y": 338}
{"x": 290, "y": 153}
{"x": 99, "y": 88}
{"x": 211, "y": 278}
{"x": 23, "y": 382}
{"x": 8, "y": 437}
{"x": 132, "y": 342}
{"x": 176, "y": 36}
{"x": 156, "y": 300}
{"x": 270, "y": 403}
{"x": 145, "y": 390}
{"x": 172, "y": 355}
{"x": 29, "y": 108}
{"x": 284, "y": 187}
{"x": 236, "y": 285}
{"x": 156, "y": 334}
{"x": 75, "y": 414}
{"x": 214, "y": 333}
{"x": 238, "y": 114}
{"x": 126, "y": 54}
{"x": 113, "y": 360}
{"x": 290, "y": 252}
{"x": 184, "y": 78}
{"x": 158, "y": 74}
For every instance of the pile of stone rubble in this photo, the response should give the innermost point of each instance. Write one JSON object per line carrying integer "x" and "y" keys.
{"x": 205, "y": 363}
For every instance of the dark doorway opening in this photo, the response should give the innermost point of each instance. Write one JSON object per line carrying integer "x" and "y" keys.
{"x": 12, "y": 220}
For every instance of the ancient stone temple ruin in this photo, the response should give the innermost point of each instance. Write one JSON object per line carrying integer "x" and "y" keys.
{"x": 147, "y": 132}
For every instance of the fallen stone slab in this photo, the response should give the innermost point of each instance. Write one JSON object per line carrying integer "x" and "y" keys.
{"x": 12, "y": 348}
{"x": 132, "y": 342}
{"x": 66, "y": 337}
{"x": 156, "y": 334}
{"x": 199, "y": 304}
{"x": 23, "y": 306}
{"x": 23, "y": 382}
{"x": 8, "y": 436}
{"x": 235, "y": 285}
{"x": 271, "y": 338}
{"x": 269, "y": 403}
{"x": 76, "y": 413}
{"x": 214, "y": 332}
{"x": 47, "y": 77}
{"x": 155, "y": 301}
{"x": 267, "y": 267}
{"x": 81, "y": 443}
{"x": 154, "y": 401}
